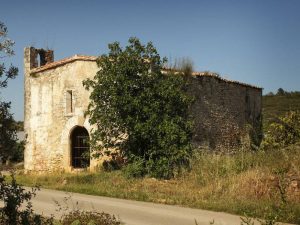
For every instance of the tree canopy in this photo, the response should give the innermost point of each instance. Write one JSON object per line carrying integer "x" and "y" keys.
{"x": 140, "y": 112}
{"x": 7, "y": 123}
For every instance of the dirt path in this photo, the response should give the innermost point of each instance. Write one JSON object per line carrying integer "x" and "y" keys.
{"x": 131, "y": 212}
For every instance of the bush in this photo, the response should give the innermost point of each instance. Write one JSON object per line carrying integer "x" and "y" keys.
{"x": 116, "y": 162}
{"x": 283, "y": 131}
{"x": 135, "y": 169}
{"x": 78, "y": 217}
{"x": 18, "y": 153}
{"x": 14, "y": 195}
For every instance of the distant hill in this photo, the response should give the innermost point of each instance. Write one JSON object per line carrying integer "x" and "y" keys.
{"x": 277, "y": 105}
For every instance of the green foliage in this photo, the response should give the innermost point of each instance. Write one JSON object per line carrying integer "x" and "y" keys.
{"x": 17, "y": 154}
{"x": 252, "y": 139}
{"x": 140, "y": 112}
{"x": 7, "y": 125}
{"x": 278, "y": 105}
{"x": 19, "y": 125}
{"x": 114, "y": 163}
{"x": 14, "y": 195}
{"x": 6, "y": 50}
{"x": 8, "y": 135}
{"x": 135, "y": 169}
{"x": 284, "y": 131}
{"x": 280, "y": 91}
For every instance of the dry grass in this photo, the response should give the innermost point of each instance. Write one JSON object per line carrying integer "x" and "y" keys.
{"x": 242, "y": 183}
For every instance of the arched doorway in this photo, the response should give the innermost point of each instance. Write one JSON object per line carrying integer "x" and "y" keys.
{"x": 80, "y": 149}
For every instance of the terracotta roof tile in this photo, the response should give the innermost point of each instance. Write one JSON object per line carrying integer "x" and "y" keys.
{"x": 63, "y": 62}
{"x": 94, "y": 58}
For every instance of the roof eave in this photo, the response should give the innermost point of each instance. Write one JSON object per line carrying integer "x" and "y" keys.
{"x": 62, "y": 62}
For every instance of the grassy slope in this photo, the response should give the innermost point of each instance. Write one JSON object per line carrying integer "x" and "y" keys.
{"x": 274, "y": 106}
{"x": 245, "y": 182}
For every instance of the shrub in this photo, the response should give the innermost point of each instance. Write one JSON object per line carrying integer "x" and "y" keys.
{"x": 116, "y": 162}
{"x": 18, "y": 153}
{"x": 283, "y": 131}
{"x": 14, "y": 195}
{"x": 135, "y": 169}
{"x": 78, "y": 217}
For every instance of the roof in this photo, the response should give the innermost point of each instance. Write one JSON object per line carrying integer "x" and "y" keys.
{"x": 94, "y": 58}
{"x": 216, "y": 76}
{"x": 63, "y": 62}
{"x": 205, "y": 74}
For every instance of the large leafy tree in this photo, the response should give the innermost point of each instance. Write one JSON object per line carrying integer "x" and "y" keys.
{"x": 139, "y": 111}
{"x": 7, "y": 124}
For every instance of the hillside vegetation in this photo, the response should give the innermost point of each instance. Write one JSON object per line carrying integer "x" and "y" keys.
{"x": 278, "y": 105}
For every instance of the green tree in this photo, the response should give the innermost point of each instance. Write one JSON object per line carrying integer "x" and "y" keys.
{"x": 280, "y": 91}
{"x": 139, "y": 111}
{"x": 7, "y": 124}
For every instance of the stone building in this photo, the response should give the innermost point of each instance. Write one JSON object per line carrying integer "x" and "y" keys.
{"x": 57, "y": 131}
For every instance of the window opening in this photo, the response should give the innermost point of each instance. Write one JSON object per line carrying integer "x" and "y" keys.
{"x": 69, "y": 102}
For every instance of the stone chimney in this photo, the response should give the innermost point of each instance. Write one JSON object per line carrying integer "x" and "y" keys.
{"x": 46, "y": 56}
{"x": 34, "y": 58}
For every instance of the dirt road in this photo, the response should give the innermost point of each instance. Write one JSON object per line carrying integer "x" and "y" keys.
{"x": 130, "y": 212}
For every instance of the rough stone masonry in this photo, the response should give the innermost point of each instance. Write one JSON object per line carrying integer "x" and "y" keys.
{"x": 57, "y": 131}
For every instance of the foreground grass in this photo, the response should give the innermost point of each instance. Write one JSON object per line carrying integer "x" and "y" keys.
{"x": 243, "y": 183}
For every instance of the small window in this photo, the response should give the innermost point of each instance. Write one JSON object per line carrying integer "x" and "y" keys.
{"x": 69, "y": 102}
{"x": 38, "y": 60}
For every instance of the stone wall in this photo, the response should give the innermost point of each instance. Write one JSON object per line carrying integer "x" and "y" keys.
{"x": 223, "y": 111}
{"x": 47, "y": 123}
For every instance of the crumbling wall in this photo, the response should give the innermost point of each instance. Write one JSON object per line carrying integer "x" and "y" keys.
{"x": 46, "y": 56}
{"x": 223, "y": 111}
{"x": 37, "y": 57}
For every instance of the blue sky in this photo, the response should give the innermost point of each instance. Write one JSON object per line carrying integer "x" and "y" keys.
{"x": 256, "y": 42}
